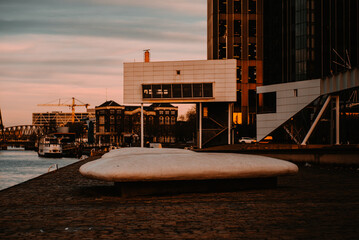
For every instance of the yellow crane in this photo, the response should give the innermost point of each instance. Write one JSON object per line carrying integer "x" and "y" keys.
{"x": 72, "y": 106}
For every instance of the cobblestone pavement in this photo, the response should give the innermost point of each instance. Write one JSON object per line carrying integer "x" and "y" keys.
{"x": 321, "y": 202}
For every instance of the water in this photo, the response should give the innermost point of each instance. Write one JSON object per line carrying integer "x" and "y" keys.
{"x": 17, "y": 166}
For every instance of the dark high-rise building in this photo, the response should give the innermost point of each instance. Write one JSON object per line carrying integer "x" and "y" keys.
{"x": 235, "y": 31}
{"x": 279, "y": 41}
{"x": 309, "y": 39}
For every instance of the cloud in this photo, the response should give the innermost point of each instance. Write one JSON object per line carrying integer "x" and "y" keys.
{"x": 76, "y": 48}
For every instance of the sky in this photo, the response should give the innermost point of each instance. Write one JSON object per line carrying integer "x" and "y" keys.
{"x": 58, "y": 49}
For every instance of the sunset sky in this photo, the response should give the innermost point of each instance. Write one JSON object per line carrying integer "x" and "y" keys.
{"x": 51, "y": 49}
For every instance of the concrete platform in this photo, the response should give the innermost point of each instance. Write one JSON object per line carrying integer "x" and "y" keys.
{"x": 147, "y": 171}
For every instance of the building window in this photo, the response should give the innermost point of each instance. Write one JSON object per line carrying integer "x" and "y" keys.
{"x": 173, "y": 120}
{"x": 188, "y": 90}
{"x": 112, "y": 129}
{"x": 161, "y": 120}
{"x": 112, "y": 111}
{"x": 252, "y": 101}
{"x": 147, "y": 91}
{"x": 157, "y": 91}
{"x": 161, "y": 112}
{"x": 167, "y": 119}
{"x": 252, "y": 28}
{"x": 295, "y": 92}
{"x": 197, "y": 90}
{"x": 222, "y": 51}
{"x": 207, "y": 90}
{"x": 112, "y": 119}
{"x": 239, "y": 74}
{"x": 177, "y": 90}
{"x": 178, "y": 72}
{"x": 102, "y": 120}
{"x": 166, "y": 91}
{"x": 222, "y": 6}
{"x": 222, "y": 27}
{"x": 237, "y": 48}
{"x": 237, "y": 28}
{"x": 150, "y": 119}
{"x": 252, "y": 6}
{"x": 237, "y": 6}
{"x": 173, "y": 112}
{"x": 269, "y": 103}
{"x": 167, "y": 112}
{"x": 205, "y": 112}
{"x": 237, "y": 118}
{"x": 101, "y": 129}
{"x": 252, "y": 74}
{"x": 252, "y": 53}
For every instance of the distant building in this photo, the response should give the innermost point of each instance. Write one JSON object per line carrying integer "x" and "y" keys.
{"x": 120, "y": 125}
{"x": 60, "y": 119}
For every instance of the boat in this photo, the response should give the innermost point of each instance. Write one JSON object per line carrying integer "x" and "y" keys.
{"x": 50, "y": 146}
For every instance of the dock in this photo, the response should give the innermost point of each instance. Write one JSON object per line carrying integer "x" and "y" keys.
{"x": 320, "y": 202}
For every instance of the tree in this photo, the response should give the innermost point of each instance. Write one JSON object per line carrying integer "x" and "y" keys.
{"x": 186, "y": 126}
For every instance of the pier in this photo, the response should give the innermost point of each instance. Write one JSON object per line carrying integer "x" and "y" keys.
{"x": 321, "y": 202}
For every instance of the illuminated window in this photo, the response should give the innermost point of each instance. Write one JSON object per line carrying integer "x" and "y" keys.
{"x": 173, "y": 120}
{"x": 205, "y": 112}
{"x": 161, "y": 120}
{"x": 102, "y": 120}
{"x": 237, "y": 118}
{"x": 167, "y": 119}
{"x": 187, "y": 90}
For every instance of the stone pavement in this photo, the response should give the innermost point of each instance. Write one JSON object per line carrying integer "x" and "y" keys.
{"x": 321, "y": 202}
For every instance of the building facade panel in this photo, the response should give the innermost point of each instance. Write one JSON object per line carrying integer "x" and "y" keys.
{"x": 182, "y": 79}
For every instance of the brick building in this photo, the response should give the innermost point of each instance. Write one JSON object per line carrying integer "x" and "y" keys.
{"x": 120, "y": 125}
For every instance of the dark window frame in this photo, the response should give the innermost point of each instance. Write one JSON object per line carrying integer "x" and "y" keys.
{"x": 193, "y": 91}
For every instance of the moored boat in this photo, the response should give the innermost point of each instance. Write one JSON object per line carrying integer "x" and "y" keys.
{"x": 50, "y": 146}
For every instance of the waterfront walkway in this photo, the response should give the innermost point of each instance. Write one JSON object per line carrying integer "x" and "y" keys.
{"x": 321, "y": 202}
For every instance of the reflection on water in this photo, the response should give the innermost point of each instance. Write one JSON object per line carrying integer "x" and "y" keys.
{"x": 17, "y": 166}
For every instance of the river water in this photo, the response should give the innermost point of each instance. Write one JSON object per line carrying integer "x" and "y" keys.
{"x": 17, "y": 166}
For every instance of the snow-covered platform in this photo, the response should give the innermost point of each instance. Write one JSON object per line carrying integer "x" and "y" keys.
{"x": 142, "y": 171}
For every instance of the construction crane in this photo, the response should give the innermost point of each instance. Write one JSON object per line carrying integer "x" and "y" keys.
{"x": 72, "y": 106}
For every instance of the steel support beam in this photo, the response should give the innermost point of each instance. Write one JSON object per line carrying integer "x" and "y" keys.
{"x": 337, "y": 119}
{"x": 142, "y": 127}
{"x": 229, "y": 122}
{"x": 316, "y": 121}
{"x": 200, "y": 126}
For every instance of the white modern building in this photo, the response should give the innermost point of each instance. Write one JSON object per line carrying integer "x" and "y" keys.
{"x": 180, "y": 81}
{"x": 195, "y": 81}
{"x": 290, "y": 98}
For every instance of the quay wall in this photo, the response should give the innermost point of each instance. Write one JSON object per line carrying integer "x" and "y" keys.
{"x": 316, "y": 154}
